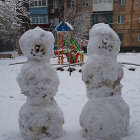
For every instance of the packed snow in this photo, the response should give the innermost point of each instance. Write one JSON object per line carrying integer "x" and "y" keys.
{"x": 71, "y": 97}
{"x": 40, "y": 117}
{"x": 106, "y": 115}
{"x": 103, "y": 41}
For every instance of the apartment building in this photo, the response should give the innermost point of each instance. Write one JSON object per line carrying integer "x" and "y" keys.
{"x": 46, "y": 13}
{"x": 39, "y": 13}
{"x": 102, "y": 11}
{"x": 126, "y": 22}
{"x": 124, "y": 17}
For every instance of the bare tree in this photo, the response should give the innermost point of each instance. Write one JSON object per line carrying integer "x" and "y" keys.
{"x": 14, "y": 17}
{"x": 77, "y": 18}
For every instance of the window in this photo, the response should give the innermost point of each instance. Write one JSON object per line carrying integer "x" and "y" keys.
{"x": 139, "y": 37}
{"x": 38, "y": 3}
{"x": 85, "y": 3}
{"x": 102, "y": 1}
{"x": 35, "y": 3}
{"x": 95, "y": 1}
{"x": 120, "y": 19}
{"x": 44, "y": 3}
{"x": 55, "y": 4}
{"x": 110, "y": 1}
{"x": 70, "y": 3}
{"x": 39, "y": 20}
{"x": 121, "y": 2}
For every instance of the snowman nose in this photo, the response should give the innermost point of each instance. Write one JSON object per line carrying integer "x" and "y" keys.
{"x": 37, "y": 46}
{"x": 104, "y": 41}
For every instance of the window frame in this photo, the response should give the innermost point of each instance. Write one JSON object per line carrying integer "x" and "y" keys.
{"x": 40, "y": 20}
{"x": 38, "y": 3}
{"x": 85, "y": 3}
{"x": 138, "y": 37}
{"x": 121, "y": 20}
{"x": 102, "y": 1}
{"x": 121, "y": 2}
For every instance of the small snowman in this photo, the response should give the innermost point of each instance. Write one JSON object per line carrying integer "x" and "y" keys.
{"x": 40, "y": 117}
{"x": 106, "y": 115}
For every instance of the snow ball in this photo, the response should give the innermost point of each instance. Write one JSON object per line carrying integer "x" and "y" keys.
{"x": 103, "y": 41}
{"x": 37, "y": 44}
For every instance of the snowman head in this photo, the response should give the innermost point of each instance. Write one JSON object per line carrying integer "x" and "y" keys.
{"x": 37, "y": 44}
{"x": 103, "y": 41}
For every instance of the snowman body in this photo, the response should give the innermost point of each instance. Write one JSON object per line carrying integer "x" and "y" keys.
{"x": 40, "y": 117}
{"x": 106, "y": 115}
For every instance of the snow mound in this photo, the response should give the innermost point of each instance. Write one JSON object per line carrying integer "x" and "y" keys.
{"x": 105, "y": 118}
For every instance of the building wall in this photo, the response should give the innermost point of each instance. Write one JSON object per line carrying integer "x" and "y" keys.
{"x": 130, "y": 28}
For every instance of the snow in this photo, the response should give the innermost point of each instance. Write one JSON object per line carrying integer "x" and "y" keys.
{"x": 71, "y": 97}
{"x": 70, "y": 26}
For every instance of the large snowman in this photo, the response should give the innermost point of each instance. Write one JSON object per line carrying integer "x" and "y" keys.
{"x": 106, "y": 115}
{"x": 40, "y": 117}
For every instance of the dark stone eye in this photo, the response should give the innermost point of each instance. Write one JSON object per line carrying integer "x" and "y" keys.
{"x": 37, "y": 48}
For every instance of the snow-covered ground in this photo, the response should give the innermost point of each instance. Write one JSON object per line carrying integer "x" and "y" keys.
{"x": 71, "y": 98}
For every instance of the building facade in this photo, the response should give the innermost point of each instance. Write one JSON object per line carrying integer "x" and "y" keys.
{"x": 126, "y": 19}
{"x": 46, "y": 13}
{"x": 39, "y": 13}
{"x": 102, "y": 11}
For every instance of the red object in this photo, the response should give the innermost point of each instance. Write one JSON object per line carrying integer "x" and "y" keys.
{"x": 72, "y": 49}
{"x": 62, "y": 48}
{"x": 76, "y": 57}
{"x": 56, "y": 53}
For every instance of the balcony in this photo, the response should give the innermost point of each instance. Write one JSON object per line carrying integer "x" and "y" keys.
{"x": 38, "y": 11}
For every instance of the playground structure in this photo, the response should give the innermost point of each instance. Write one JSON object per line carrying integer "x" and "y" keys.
{"x": 67, "y": 46}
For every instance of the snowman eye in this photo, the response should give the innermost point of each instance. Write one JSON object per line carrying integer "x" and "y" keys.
{"x": 37, "y": 48}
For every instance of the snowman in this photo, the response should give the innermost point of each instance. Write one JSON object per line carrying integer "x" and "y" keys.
{"x": 40, "y": 117}
{"x": 106, "y": 115}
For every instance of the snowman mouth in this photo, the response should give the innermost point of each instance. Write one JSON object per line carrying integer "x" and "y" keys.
{"x": 38, "y": 51}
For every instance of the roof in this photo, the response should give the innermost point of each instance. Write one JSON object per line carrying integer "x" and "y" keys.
{"x": 63, "y": 27}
